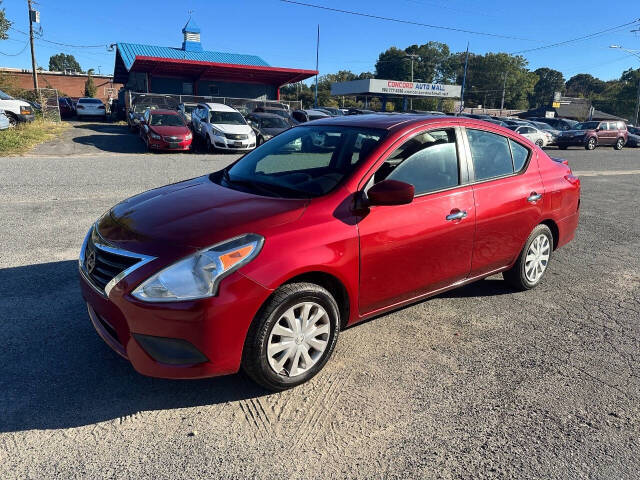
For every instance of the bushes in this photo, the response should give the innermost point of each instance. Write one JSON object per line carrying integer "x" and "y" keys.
{"x": 25, "y": 136}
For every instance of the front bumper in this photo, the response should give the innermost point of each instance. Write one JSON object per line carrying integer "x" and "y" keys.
{"x": 191, "y": 339}
{"x": 571, "y": 141}
{"x": 174, "y": 146}
{"x": 26, "y": 117}
{"x": 225, "y": 143}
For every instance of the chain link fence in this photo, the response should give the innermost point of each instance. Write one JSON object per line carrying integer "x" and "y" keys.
{"x": 49, "y": 105}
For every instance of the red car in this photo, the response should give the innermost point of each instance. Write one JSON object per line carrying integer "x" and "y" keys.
{"x": 165, "y": 130}
{"x": 260, "y": 265}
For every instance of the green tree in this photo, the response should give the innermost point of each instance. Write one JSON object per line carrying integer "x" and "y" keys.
{"x": 61, "y": 62}
{"x": 584, "y": 85}
{"x": 89, "y": 86}
{"x": 4, "y": 24}
{"x": 549, "y": 82}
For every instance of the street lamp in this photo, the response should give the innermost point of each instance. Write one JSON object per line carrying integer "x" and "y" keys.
{"x": 637, "y": 54}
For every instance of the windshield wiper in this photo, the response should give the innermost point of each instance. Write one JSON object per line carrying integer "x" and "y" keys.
{"x": 267, "y": 187}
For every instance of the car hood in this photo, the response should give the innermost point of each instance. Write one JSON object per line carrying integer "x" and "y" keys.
{"x": 273, "y": 131}
{"x": 191, "y": 215}
{"x": 170, "y": 131}
{"x": 226, "y": 128}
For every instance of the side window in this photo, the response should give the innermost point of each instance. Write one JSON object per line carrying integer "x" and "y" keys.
{"x": 520, "y": 155}
{"x": 428, "y": 161}
{"x": 490, "y": 153}
{"x": 621, "y": 126}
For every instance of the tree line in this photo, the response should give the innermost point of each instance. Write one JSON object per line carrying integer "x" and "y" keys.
{"x": 493, "y": 80}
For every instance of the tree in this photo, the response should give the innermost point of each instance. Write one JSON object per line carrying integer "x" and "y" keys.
{"x": 584, "y": 85}
{"x": 549, "y": 82}
{"x": 4, "y": 24}
{"x": 89, "y": 87}
{"x": 61, "y": 62}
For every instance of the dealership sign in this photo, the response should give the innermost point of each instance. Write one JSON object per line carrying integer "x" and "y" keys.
{"x": 373, "y": 86}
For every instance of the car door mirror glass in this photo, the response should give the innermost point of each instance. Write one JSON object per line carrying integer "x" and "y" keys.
{"x": 391, "y": 192}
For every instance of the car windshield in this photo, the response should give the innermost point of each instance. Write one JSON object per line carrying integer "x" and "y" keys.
{"x": 227, "y": 118}
{"x": 5, "y": 96}
{"x": 302, "y": 162}
{"x": 166, "y": 120}
{"x": 586, "y": 126}
{"x": 274, "y": 123}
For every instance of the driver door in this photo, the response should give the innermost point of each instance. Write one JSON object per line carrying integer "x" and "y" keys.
{"x": 409, "y": 250}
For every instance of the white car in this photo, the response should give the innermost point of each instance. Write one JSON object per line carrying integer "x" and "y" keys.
{"x": 90, "y": 107}
{"x": 222, "y": 127}
{"x": 540, "y": 138}
{"x": 15, "y": 110}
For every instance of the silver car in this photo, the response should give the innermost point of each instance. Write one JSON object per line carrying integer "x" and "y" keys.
{"x": 4, "y": 121}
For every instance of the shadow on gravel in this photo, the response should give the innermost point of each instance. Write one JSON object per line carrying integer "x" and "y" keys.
{"x": 110, "y": 137}
{"x": 56, "y": 372}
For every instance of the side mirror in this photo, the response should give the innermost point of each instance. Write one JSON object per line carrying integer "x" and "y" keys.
{"x": 391, "y": 192}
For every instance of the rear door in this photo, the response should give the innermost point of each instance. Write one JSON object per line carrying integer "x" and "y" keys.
{"x": 508, "y": 193}
{"x": 409, "y": 250}
{"x": 607, "y": 133}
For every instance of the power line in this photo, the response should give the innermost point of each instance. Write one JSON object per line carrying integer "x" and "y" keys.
{"x": 585, "y": 37}
{"x": 407, "y": 22}
{"x": 16, "y": 54}
{"x": 61, "y": 44}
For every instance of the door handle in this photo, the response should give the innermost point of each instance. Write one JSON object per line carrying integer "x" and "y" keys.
{"x": 456, "y": 215}
{"x": 534, "y": 197}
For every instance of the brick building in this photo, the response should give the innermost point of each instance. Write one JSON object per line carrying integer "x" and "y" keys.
{"x": 71, "y": 85}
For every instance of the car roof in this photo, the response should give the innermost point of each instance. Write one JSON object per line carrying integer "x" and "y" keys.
{"x": 264, "y": 115}
{"x": 163, "y": 111}
{"x": 219, "y": 107}
{"x": 386, "y": 121}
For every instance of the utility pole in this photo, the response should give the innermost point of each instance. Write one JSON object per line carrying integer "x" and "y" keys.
{"x": 315, "y": 102}
{"x": 411, "y": 56}
{"x": 464, "y": 80}
{"x": 32, "y": 15}
{"x": 504, "y": 86}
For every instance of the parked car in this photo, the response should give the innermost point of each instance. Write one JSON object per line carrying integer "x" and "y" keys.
{"x": 260, "y": 265}
{"x": 141, "y": 102}
{"x": 222, "y": 127}
{"x": 302, "y": 116}
{"x": 185, "y": 110}
{"x": 545, "y": 127}
{"x": 165, "y": 130}
{"x": 66, "y": 107}
{"x": 594, "y": 133}
{"x": 266, "y": 125}
{"x": 359, "y": 111}
{"x": 16, "y": 110}
{"x": 4, "y": 121}
{"x": 532, "y": 133}
{"x": 332, "y": 111}
{"x": 90, "y": 107}
{"x": 561, "y": 124}
{"x": 286, "y": 114}
{"x": 633, "y": 138}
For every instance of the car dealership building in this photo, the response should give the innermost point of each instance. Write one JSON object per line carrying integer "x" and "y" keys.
{"x": 191, "y": 70}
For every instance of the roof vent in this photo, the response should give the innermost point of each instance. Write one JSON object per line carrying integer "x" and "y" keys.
{"x": 191, "y": 40}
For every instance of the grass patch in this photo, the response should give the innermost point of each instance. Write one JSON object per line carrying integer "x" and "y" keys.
{"x": 22, "y": 138}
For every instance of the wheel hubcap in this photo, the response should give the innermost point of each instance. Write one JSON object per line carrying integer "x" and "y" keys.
{"x": 537, "y": 258}
{"x": 298, "y": 339}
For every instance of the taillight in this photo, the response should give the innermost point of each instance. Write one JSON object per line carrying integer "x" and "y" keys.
{"x": 101, "y": 107}
{"x": 572, "y": 179}
{"x": 25, "y": 110}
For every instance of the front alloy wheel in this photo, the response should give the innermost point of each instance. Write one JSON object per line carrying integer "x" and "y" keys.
{"x": 591, "y": 144}
{"x": 292, "y": 336}
{"x": 619, "y": 144}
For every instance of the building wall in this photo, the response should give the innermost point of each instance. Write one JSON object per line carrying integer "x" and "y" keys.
{"x": 185, "y": 86}
{"x": 70, "y": 85}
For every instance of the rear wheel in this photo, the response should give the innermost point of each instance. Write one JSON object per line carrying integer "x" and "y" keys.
{"x": 13, "y": 120}
{"x": 292, "y": 337}
{"x": 539, "y": 143}
{"x": 532, "y": 263}
{"x": 591, "y": 144}
{"x": 619, "y": 144}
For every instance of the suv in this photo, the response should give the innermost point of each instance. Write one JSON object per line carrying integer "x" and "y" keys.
{"x": 222, "y": 127}
{"x": 561, "y": 124}
{"x": 591, "y": 134}
{"x": 16, "y": 110}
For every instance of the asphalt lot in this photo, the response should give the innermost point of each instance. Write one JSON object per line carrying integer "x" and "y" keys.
{"x": 479, "y": 382}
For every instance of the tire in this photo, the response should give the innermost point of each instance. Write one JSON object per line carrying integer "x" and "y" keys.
{"x": 209, "y": 145}
{"x": 591, "y": 144}
{"x": 520, "y": 276}
{"x": 562, "y": 147}
{"x": 540, "y": 143}
{"x": 291, "y": 298}
{"x": 13, "y": 120}
{"x": 619, "y": 144}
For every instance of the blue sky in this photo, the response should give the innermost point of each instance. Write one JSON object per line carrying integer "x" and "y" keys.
{"x": 285, "y": 35}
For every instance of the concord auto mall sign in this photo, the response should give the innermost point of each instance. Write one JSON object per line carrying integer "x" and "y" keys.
{"x": 395, "y": 87}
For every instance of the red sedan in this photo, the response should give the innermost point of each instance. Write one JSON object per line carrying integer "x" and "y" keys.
{"x": 260, "y": 265}
{"x": 165, "y": 130}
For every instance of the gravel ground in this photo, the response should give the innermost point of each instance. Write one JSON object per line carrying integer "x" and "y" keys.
{"x": 480, "y": 382}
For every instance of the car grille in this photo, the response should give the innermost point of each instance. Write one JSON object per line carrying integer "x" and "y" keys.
{"x": 101, "y": 266}
{"x": 172, "y": 139}
{"x": 236, "y": 136}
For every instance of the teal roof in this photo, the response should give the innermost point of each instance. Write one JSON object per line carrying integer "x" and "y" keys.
{"x": 129, "y": 51}
{"x": 191, "y": 27}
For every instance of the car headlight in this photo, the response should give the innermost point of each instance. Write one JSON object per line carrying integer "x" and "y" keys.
{"x": 188, "y": 136}
{"x": 155, "y": 136}
{"x": 198, "y": 275}
{"x": 216, "y": 132}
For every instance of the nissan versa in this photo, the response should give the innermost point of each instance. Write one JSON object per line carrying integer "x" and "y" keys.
{"x": 260, "y": 265}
